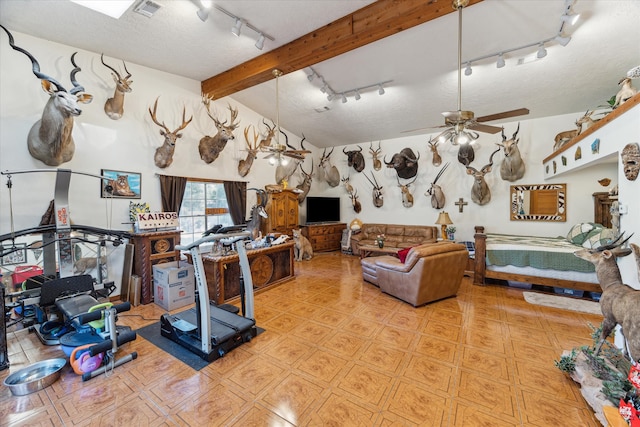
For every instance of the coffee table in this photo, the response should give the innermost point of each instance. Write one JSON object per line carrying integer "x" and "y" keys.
{"x": 374, "y": 250}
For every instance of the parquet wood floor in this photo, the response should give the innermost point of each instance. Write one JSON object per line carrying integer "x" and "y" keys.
{"x": 336, "y": 352}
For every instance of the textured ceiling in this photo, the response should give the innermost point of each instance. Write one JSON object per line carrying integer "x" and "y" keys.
{"x": 421, "y": 61}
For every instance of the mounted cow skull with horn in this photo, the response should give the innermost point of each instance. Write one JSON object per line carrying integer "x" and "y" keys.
{"x": 331, "y": 174}
{"x": 512, "y": 167}
{"x": 210, "y": 147}
{"x": 50, "y": 139}
{"x": 305, "y": 185}
{"x": 164, "y": 154}
{"x": 480, "y": 192}
{"x": 407, "y": 197}
{"x": 405, "y": 163}
{"x": 433, "y": 146}
{"x": 114, "y": 106}
{"x": 377, "y": 164}
{"x": 378, "y": 199}
{"x": 355, "y": 159}
{"x": 244, "y": 165}
{"x": 435, "y": 191}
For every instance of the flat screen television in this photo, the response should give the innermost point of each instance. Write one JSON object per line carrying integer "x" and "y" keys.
{"x": 323, "y": 209}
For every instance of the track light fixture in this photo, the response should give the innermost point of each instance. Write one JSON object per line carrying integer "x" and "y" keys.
{"x": 568, "y": 17}
{"x": 203, "y": 9}
{"x": 343, "y": 95}
{"x": 344, "y": 99}
{"x": 380, "y": 90}
{"x": 240, "y": 22}
{"x": 357, "y": 95}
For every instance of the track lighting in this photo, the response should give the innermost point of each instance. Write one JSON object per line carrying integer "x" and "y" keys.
{"x": 357, "y": 95}
{"x": 239, "y": 23}
{"x": 500, "y": 62}
{"x": 542, "y": 52}
{"x": 237, "y": 27}
{"x": 260, "y": 42}
{"x": 380, "y": 90}
{"x": 570, "y": 18}
{"x": 344, "y": 99}
{"x": 563, "y": 40}
{"x": 468, "y": 70}
{"x": 324, "y": 87}
{"x": 311, "y": 76}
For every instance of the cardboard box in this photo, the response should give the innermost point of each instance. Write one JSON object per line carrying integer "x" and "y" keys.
{"x": 173, "y": 285}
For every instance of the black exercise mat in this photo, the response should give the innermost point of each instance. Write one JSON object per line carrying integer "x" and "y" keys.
{"x": 151, "y": 333}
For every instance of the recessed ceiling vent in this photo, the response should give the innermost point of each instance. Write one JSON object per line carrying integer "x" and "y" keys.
{"x": 147, "y": 8}
{"x": 322, "y": 109}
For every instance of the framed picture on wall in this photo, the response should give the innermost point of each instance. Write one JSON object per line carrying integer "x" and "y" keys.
{"x": 122, "y": 185}
{"x": 17, "y": 257}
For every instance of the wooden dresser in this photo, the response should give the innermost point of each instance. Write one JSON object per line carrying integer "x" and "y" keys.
{"x": 282, "y": 208}
{"x": 324, "y": 237}
{"x": 152, "y": 248}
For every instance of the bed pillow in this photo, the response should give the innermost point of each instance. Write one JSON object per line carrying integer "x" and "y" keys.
{"x": 580, "y": 232}
{"x": 599, "y": 237}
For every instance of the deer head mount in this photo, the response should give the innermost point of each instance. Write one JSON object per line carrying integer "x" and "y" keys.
{"x": 164, "y": 154}
{"x": 405, "y": 163}
{"x": 244, "y": 165}
{"x": 210, "y": 147}
{"x": 512, "y": 167}
{"x": 377, "y": 164}
{"x": 355, "y": 159}
{"x": 114, "y": 107}
{"x": 330, "y": 172}
{"x": 480, "y": 192}
{"x": 50, "y": 139}
{"x": 305, "y": 185}
{"x": 407, "y": 197}
{"x": 435, "y": 191}
{"x": 378, "y": 199}
{"x": 433, "y": 146}
{"x": 271, "y": 131}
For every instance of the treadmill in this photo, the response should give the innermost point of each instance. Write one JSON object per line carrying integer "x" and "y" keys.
{"x": 207, "y": 329}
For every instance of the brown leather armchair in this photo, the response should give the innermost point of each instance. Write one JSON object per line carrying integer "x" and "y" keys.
{"x": 431, "y": 272}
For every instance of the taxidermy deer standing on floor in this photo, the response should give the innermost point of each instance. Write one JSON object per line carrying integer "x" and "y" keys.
{"x": 407, "y": 197}
{"x": 620, "y": 303}
{"x": 331, "y": 174}
{"x": 480, "y": 193}
{"x": 378, "y": 199}
{"x": 114, "y": 107}
{"x": 305, "y": 185}
{"x": 435, "y": 191}
{"x": 164, "y": 154}
{"x": 210, "y": 147}
{"x": 50, "y": 139}
{"x": 512, "y": 167}
{"x": 377, "y": 164}
{"x": 437, "y": 160}
{"x": 244, "y": 165}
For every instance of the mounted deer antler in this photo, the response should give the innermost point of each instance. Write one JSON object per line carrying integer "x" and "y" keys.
{"x": 480, "y": 192}
{"x": 435, "y": 191}
{"x": 114, "y": 107}
{"x": 305, "y": 185}
{"x": 437, "y": 160}
{"x": 378, "y": 199}
{"x": 164, "y": 154}
{"x": 512, "y": 167}
{"x": 50, "y": 139}
{"x": 266, "y": 141}
{"x": 377, "y": 164}
{"x": 210, "y": 147}
{"x": 244, "y": 165}
{"x": 331, "y": 174}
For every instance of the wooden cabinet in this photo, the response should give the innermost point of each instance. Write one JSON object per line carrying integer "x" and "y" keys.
{"x": 282, "y": 208}
{"x": 324, "y": 237}
{"x": 602, "y": 209}
{"x": 152, "y": 248}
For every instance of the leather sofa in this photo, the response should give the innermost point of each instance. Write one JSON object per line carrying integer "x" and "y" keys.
{"x": 430, "y": 272}
{"x": 396, "y": 236}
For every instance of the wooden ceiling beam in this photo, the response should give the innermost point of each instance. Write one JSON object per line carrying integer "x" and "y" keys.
{"x": 369, "y": 24}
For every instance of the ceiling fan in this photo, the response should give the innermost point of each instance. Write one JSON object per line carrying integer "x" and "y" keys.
{"x": 278, "y": 152}
{"x": 462, "y": 125}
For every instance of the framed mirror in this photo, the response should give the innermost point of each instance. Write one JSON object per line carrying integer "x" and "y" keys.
{"x": 544, "y": 202}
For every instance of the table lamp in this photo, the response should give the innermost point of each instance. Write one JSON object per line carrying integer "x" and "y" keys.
{"x": 444, "y": 220}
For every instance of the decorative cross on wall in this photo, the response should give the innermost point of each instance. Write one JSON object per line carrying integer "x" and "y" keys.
{"x": 461, "y": 204}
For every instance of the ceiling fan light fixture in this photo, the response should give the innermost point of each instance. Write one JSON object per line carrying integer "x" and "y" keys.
{"x": 563, "y": 40}
{"x": 500, "y": 63}
{"x": 468, "y": 71}
{"x": 542, "y": 51}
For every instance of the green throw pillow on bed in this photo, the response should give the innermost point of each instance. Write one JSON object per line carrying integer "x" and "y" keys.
{"x": 580, "y": 232}
{"x": 599, "y": 237}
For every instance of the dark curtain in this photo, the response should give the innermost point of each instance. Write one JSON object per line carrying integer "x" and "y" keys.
{"x": 236, "y": 193}
{"x": 172, "y": 189}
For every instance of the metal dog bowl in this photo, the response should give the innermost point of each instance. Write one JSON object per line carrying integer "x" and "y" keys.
{"x": 34, "y": 377}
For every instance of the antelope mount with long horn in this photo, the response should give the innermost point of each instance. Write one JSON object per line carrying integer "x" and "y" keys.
{"x": 164, "y": 154}
{"x": 377, "y": 164}
{"x": 378, "y": 199}
{"x": 244, "y": 165}
{"x": 50, "y": 139}
{"x": 512, "y": 167}
{"x": 435, "y": 191}
{"x": 331, "y": 174}
{"x": 407, "y": 197}
{"x": 480, "y": 192}
{"x": 210, "y": 147}
{"x": 114, "y": 106}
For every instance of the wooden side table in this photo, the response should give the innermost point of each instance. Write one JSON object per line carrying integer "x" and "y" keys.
{"x": 151, "y": 248}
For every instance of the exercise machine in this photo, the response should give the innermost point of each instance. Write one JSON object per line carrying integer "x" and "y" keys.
{"x": 208, "y": 330}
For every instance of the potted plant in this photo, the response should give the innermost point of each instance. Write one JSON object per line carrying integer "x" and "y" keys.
{"x": 451, "y": 231}
{"x": 380, "y": 240}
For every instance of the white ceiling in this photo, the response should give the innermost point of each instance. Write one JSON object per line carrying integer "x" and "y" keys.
{"x": 421, "y": 61}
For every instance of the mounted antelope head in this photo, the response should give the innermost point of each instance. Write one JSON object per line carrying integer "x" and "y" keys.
{"x": 405, "y": 163}
{"x": 286, "y": 169}
{"x": 210, "y": 147}
{"x": 114, "y": 107}
{"x": 355, "y": 159}
{"x": 50, "y": 139}
{"x": 407, "y": 197}
{"x": 480, "y": 192}
{"x": 244, "y": 165}
{"x": 164, "y": 153}
{"x": 512, "y": 167}
{"x": 271, "y": 131}
{"x": 331, "y": 174}
{"x": 378, "y": 199}
{"x": 437, "y": 160}
{"x": 435, "y": 191}
{"x": 305, "y": 185}
{"x": 357, "y": 207}
{"x": 377, "y": 164}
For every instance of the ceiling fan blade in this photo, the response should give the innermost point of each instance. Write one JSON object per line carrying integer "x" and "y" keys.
{"x": 503, "y": 115}
{"x": 484, "y": 128}
{"x": 425, "y": 128}
{"x": 299, "y": 151}
{"x": 293, "y": 155}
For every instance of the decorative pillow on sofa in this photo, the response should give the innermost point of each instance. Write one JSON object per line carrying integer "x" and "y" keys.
{"x": 599, "y": 237}
{"x": 580, "y": 232}
{"x": 402, "y": 254}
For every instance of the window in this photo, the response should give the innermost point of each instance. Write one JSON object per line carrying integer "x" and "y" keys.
{"x": 203, "y": 206}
